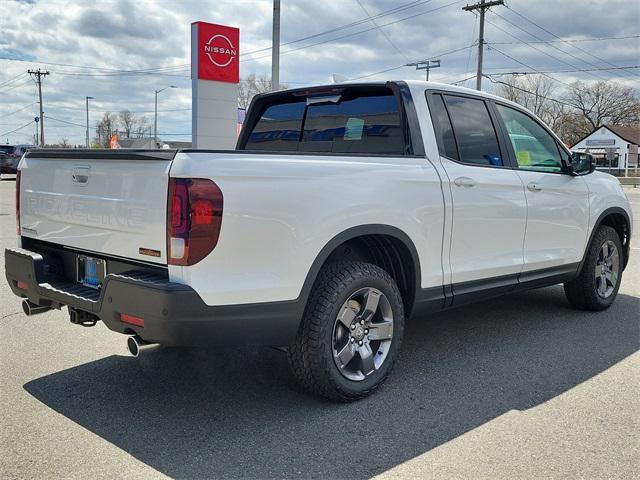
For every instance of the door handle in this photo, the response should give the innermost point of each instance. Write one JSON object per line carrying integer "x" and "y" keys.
{"x": 534, "y": 187}
{"x": 464, "y": 182}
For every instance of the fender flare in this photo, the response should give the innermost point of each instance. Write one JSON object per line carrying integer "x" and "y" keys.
{"x": 349, "y": 234}
{"x": 601, "y": 217}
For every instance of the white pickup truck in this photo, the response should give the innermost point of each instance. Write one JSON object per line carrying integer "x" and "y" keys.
{"x": 344, "y": 210}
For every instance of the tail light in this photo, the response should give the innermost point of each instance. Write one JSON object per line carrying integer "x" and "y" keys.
{"x": 194, "y": 214}
{"x": 18, "y": 202}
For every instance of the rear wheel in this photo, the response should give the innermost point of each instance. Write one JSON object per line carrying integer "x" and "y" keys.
{"x": 596, "y": 287}
{"x": 351, "y": 332}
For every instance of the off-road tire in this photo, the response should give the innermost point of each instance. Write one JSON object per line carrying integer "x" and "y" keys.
{"x": 581, "y": 292}
{"x": 311, "y": 354}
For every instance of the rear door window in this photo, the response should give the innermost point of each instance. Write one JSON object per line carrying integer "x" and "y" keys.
{"x": 474, "y": 131}
{"x": 442, "y": 127}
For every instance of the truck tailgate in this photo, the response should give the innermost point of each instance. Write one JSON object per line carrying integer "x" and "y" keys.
{"x": 112, "y": 202}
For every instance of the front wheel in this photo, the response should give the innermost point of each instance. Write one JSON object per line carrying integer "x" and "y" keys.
{"x": 597, "y": 285}
{"x": 350, "y": 333}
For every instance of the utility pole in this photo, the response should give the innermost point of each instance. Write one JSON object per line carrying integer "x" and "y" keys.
{"x": 275, "y": 47}
{"x": 425, "y": 65}
{"x": 87, "y": 100}
{"x": 483, "y": 6}
{"x": 36, "y": 120}
{"x": 37, "y": 76}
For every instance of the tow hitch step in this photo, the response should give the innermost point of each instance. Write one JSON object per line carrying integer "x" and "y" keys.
{"x": 80, "y": 317}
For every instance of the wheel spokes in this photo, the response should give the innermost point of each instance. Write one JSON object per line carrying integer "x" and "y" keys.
{"x": 371, "y": 300}
{"x": 346, "y": 354}
{"x": 381, "y": 331}
{"x": 602, "y": 285}
{"x": 346, "y": 316}
{"x": 604, "y": 253}
{"x": 366, "y": 356}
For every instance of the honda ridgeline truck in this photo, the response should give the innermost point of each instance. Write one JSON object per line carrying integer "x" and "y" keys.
{"x": 344, "y": 210}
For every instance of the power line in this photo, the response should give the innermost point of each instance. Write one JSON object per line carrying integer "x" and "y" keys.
{"x": 19, "y": 128}
{"x": 12, "y": 87}
{"x": 7, "y": 82}
{"x": 356, "y": 33}
{"x": 461, "y": 80}
{"x": 64, "y": 121}
{"x": 631, "y": 67}
{"x": 528, "y": 91}
{"x": 404, "y": 65}
{"x": 571, "y": 40}
{"x": 538, "y": 49}
{"x": 19, "y": 110}
{"x": 385, "y": 13}
{"x": 473, "y": 34}
{"x": 552, "y": 45}
{"x": 556, "y": 36}
{"x": 529, "y": 66}
{"x": 395, "y": 47}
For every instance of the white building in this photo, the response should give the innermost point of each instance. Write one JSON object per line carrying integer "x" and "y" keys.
{"x": 615, "y": 148}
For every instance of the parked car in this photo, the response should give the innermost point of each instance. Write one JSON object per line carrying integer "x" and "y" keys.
{"x": 10, "y": 155}
{"x": 344, "y": 210}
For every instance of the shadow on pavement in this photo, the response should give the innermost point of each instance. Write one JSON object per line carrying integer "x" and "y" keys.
{"x": 195, "y": 413}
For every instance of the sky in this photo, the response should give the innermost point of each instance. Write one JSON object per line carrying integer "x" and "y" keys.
{"x": 120, "y": 51}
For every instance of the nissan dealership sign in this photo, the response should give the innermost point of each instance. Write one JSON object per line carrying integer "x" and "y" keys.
{"x": 218, "y": 52}
{"x": 215, "y": 73}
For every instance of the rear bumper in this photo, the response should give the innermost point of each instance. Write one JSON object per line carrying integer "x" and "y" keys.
{"x": 173, "y": 313}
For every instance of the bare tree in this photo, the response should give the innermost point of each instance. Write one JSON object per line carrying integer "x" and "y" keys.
{"x": 534, "y": 92}
{"x": 251, "y": 86}
{"x": 126, "y": 121}
{"x": 574, "y": 113}
{"x": 604, "y": 102}
{"x": 132, "y": 125}
{"x": 142, "y": 128}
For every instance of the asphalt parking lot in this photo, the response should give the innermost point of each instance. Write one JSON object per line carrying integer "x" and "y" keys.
{"x": 518, "y": 387}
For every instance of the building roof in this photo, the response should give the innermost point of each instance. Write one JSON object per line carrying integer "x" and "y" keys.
{"x": 630, "y": 134}
{"x": 146, "y": 143}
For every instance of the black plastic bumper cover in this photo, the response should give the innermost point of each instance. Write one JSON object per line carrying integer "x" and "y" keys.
{"x": 173, "y": 313}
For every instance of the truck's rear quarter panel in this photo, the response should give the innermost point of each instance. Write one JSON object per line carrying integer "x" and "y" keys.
{"x": 280, "y": 210}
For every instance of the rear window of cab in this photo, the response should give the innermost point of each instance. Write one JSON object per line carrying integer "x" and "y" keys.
{"x": 358, "y": 121}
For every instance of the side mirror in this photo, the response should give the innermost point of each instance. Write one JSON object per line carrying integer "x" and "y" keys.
{"x": 582, "y": 163}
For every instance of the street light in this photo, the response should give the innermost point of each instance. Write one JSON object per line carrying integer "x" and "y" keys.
{"x": 87, "y": 101}
{"x": 155, "y": 116}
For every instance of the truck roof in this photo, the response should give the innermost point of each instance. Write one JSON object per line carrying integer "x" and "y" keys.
{"x": 413, "y": 85}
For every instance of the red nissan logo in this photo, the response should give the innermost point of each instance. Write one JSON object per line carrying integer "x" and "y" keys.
{"x": 220, "y": 50}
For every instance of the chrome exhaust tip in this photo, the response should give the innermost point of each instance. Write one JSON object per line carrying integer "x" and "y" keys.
{"x": 29, "y": 308}
{"x": 136, "y": 345}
